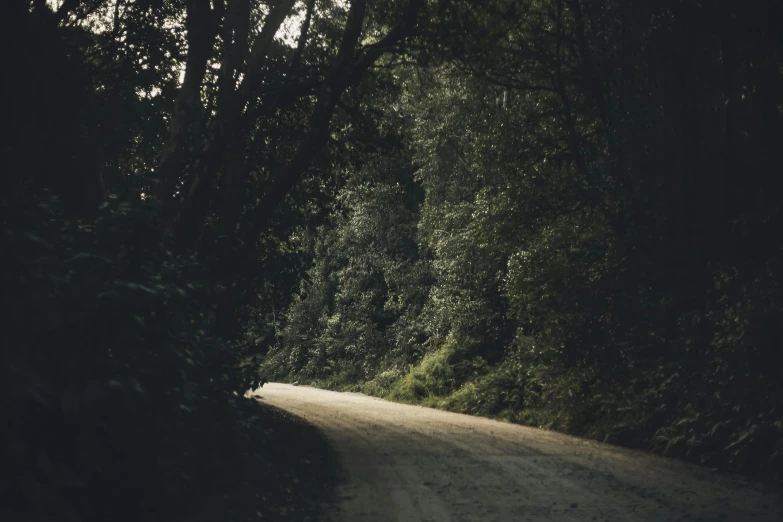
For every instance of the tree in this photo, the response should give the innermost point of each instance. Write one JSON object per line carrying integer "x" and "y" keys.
{"x": 591, "y": 174}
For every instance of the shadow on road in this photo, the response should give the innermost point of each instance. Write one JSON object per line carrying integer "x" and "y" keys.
{"x": 280, "y": 469}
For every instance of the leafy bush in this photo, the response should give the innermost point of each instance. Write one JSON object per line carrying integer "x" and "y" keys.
{"x": 432, "y": 378}
{"x": 106, "y": 358}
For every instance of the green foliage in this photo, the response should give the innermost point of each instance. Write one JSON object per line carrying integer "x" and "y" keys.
{"x": 106, "y": 360}
{"x": 500, "y": 391}
{"x": 432, "y": 378}
{"x": 149, "y": 145}
{"x": 358, "y": 309}
{"x": 596, "y": 244}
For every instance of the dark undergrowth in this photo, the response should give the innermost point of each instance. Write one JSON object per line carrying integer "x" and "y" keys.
{"x": 249, "y": 461}
{"x": 277, "y": 467}
{"x": 117, "y": 402}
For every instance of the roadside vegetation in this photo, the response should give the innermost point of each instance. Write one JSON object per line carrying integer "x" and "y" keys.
{"x": 565, "y": 213}
{"x": 579, "y": 228}
{"x": 148, "y": 148}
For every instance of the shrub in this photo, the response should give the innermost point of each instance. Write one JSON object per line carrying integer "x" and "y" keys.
{"x": 106, "y": 357}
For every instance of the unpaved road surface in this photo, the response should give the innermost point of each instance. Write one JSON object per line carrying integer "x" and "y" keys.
{"x": 410, "y": 464}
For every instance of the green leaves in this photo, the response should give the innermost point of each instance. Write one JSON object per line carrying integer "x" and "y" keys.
{"x": 573, "y": 229}
{"x": 105, "y": 320}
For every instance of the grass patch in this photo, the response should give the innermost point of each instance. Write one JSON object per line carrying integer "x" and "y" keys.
{"x": 427, "y": 383}
{"x": 496, "y": 392}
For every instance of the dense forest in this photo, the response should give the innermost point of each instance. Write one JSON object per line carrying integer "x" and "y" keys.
{"x": 574, "y": 222}
{"x": 563, "y": 213}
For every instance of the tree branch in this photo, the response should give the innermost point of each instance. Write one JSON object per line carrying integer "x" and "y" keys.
{"x": 261, "y": 46}
{"x": 201, "y": 31}
{"x": 302, "y": 42}
{"x": 343, "y": 74}
{"x": 372, "y": 52}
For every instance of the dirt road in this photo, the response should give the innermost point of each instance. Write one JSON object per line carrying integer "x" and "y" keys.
{"x": 409, "y": 464}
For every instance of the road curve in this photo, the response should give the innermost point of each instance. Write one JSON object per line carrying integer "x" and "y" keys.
{"x": 409, "y": 464}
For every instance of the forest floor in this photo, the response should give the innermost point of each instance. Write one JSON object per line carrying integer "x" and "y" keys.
{"x": 408, "y": 463}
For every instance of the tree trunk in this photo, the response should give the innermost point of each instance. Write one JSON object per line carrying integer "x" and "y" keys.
{"x": 201, "y": 32}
